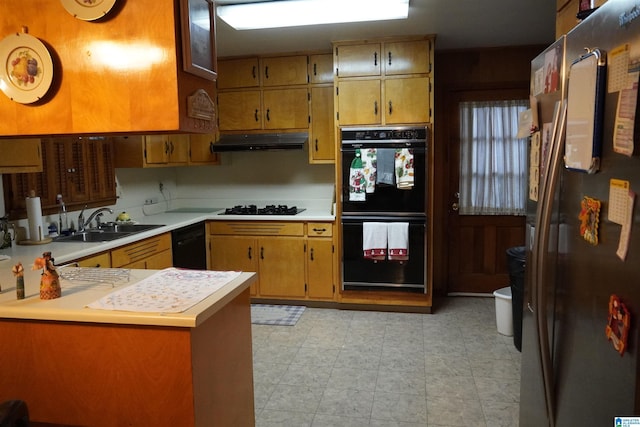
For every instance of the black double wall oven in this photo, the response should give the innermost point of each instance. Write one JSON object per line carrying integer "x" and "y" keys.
{"x": 384, "y": 186}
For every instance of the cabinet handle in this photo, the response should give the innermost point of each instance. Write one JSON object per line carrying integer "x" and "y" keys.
{"x": 316, "y": 144}
{"x": 319, "y": 230}
{"x": 211, "y": 147}
{"x": 255, "y": 114}
{"x": 261, "y": 252}
{"x": 249, "y": 253}
{"x": 315, "y": 71}
{"x": 266, "y": 72}
{"x": 375, "y": 59}
{"x": 389, "y": 57}
{"x": 390, "y": 108}
{"x": 253, "y": 71}
{"x": 375, "y": 108}
{"x": 166, "y": 147}
{"x": 311, "y": 254}
{"x": 268, "y": 118}
{"x": 171, "y": 145}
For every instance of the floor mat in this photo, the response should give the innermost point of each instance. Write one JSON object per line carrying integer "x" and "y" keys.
{"x": 282, "y": 315}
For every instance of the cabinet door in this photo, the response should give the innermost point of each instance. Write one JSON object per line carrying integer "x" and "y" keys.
{"x": 320, "y": 268}
{"x": 322, "y": 135}
{"x": 239, "y": 110}
{"x": 407, "y": 100}
{"x": 178, "y": 149}
{"x": 70, "y": 156}
{"x": 20, "y": 155}
{"x": 236, "y": 73}
{"x": 286, "y": 108}
{"x": 359, "y": 102}
{"x": 409, "y": 57}
{"x": 102, "y": 182}
{"x": 358, "y": 60}
{"x": 321, "y": 68}
{"x": 159, "y": 261}
{"x": 237, "y": 253}
{"x": 156, "y": 149}
{"x": 284, "y": 71}
{"x": 102, "y": 260}
{"x": 281, "y": 261}
{"x": 201, "y": 149}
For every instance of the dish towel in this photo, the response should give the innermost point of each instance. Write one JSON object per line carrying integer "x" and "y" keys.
{"x": 369, "y": 165}
{"x": 398, "y": 241}
{"x": 404, "y": 168}
{"x": 374, "y": 240}
{"x": 385, "y": 166}
{"x": 357, "y": 184}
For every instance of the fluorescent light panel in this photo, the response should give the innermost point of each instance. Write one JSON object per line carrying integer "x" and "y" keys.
{"x": 294, "y": 13}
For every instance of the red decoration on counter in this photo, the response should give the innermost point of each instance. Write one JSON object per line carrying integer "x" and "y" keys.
{"x": 618, "y": 324}
{"x": 49, "y": 281}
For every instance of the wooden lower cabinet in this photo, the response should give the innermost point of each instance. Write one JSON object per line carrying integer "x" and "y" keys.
{"x": 291, "y": 262}
{"x": 152, "y": 253}
{"x": 101, "y": 260}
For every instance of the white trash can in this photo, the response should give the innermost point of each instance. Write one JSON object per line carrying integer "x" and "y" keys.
{"x": 504, "y": 313}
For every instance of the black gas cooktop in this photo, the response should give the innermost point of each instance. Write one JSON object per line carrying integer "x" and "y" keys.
{"x": 267, "y": 210}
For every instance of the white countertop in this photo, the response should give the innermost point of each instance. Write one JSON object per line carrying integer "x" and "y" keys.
{"x": 64, "y": 252}
{"x": 71, "y": 306}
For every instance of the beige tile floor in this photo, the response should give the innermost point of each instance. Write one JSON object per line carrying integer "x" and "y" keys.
{"x": 363, "y": 368}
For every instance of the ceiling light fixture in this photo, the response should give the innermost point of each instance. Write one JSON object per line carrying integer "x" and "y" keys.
{"x": 293, "y": 13}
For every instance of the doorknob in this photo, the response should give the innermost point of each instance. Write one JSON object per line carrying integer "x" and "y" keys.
{"x": 455, "y": 205}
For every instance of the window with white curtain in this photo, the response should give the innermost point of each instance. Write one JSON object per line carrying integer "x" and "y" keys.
{"x": 493, "y": 162}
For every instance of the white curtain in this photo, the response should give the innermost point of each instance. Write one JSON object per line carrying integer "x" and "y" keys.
{"x": 493, "y": 162}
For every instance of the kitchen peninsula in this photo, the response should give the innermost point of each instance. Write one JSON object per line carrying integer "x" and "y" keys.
{"x": 79, "y": 366}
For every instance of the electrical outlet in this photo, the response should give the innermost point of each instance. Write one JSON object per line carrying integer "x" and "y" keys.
{"x": 151, "y": 201}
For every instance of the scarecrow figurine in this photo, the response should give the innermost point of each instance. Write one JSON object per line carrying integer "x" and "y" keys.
{"x": 18, "y": 271}
{"x": 49, "y": 281}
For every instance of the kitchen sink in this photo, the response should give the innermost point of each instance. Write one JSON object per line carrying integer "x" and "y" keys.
{"x": 107, "y": 232}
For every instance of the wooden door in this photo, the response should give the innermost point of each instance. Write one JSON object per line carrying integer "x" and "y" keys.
{"x": 407, "y": 100}
{"x": 407, "y": 57}
{"x": 238, "y": 253}
{"x": 178, "y": 149}
{"x": 156, "y": 149}
{"x": 201, "y": 149}
{"x": 284, "y": 70}
{"x": 286, "y": 108}
{"x": 281, "y": 261}
{"x": 237, "y": 73}
{"x": 322, "y": 136}
{"x": 358, "y": 60}
{"x": 320, "y": 269}
{"x": 359, "y": 102}
{"x": 239, "y": 110}
{"x": 321, "y": 68}
{"x": 477, "y": 244}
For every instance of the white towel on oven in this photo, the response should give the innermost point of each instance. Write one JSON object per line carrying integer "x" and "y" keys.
{"x": 369, "y": 160}
{"x": 374, "y": 240}
{"x": 398, "y": 241}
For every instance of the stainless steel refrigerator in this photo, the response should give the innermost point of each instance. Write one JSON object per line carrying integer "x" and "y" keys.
{"x": 582, "y": 288}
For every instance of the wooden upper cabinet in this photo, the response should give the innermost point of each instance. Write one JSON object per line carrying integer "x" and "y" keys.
{"x": 100, "y": 161}
{"x": 321, "y": 68}
{"x": 284, "y": 70}
{"x": 240, "y": 110}
{"x": 20, "y": 155}
{"x": 201, "y": 150}
{"x": 358, "y": 60}
{"x": 286, "y": 108}
{"x": 359, "y": 102}
{"x": 144, "y": 91}
{"x": 237, "y": 73}
{"x": 407, "y": 57}
{"x": 407, "y": 100}
{"x": 142, "y": 151}
{"x": 322, "y": 135}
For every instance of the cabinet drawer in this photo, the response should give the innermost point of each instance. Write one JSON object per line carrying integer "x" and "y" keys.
{"x": 102, "y": 260}
{"x": 257, "y": 228}
{"x": 140, "y": 250}
{"x": 319, "y": 229}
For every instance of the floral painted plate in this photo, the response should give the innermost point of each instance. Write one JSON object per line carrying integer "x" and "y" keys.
{"x": 88, "y": 10}
{"x": 26, "y": 69}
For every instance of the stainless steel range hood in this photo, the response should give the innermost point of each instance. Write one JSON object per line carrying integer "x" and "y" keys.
{"x": 263, "y": 141}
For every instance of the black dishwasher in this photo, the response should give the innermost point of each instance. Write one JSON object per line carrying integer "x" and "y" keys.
{"x": 190, "y": 247}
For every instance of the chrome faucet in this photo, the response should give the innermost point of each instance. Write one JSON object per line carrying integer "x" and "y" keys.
{"x": 82, "y": 224}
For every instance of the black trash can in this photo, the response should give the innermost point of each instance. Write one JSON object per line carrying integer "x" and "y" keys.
{"x": 516, "y": 260}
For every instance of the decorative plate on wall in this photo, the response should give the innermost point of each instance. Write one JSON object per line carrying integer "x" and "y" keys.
{"x": 88, "y": 10}
{"x": 26, "y": 68}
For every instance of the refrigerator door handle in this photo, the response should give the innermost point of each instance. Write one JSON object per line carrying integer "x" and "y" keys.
{"x": 543, "y": 223}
